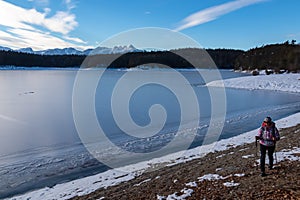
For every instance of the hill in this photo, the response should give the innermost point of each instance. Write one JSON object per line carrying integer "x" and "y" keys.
{"x": 285, "y": 56}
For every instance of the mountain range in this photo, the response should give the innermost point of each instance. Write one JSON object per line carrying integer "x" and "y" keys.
{"x": 73, "y": 51}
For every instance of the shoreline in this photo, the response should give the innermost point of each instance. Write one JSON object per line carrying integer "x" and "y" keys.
{"x": 274, "y": 82}
{"x": 229, "y": 174}
{"x": 113, "y": 177}
{"x": 135, "y": 172}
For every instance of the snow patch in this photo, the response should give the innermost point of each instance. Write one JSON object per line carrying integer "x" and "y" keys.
{"x": 211, "y": 177}
{"x": 239, "y": 175}
{"x": 184, "y": 193}
{"x": 278, "y": 82}
{"x": 192, "y": 184}
{"x": 285, "y": 154}
{"x": 291, "y": 155}
{"x": 145, "y": 181}
{"x": 248, "y": 156}
{"x": 231, "y": 184}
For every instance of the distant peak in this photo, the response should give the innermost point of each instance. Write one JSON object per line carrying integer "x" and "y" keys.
{"x": 26, "y": 50}
{"x": 5, "y": 48}
{"x": 72, "y": 51}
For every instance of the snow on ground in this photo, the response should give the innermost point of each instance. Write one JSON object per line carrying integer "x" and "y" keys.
{"x": 231, "y": 184}
{"x": 192, "y": 184}
{"x": 278, "y": 82}
{"x": 286, "y": 82}
{"x": 248, "y": 156}
{"x": 286, "y": 154}
{"x": 184, "y": 193}
{"x": 211, "y": 177}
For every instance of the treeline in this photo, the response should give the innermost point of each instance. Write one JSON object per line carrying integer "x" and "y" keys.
{"x": 276, "y": 57}
{"x": 12, "y": 58}
{"x": 180, "y": 58}
{"x": 225, "y": 58}
{"x": 285, "y": 56}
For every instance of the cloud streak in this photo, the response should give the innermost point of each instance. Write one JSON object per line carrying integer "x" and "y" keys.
{"x": 29, "y": 27}
{"x": 213, "y": 13}
{"x": 20, "y": 38}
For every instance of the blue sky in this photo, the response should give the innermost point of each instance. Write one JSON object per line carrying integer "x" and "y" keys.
{"x": 239, "y": 24}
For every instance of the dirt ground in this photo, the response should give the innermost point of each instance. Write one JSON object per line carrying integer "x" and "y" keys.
{"x": 283, "y": 182}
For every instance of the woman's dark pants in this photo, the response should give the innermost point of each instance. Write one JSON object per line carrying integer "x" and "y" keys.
{"x": 263, "y": 150}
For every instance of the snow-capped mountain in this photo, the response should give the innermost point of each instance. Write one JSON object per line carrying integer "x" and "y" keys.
{"x": 73, "y": 51}
{"x": 57, "y": 51}
{"x": 26, "y": 50}
{"x": 5, "y": 49}
{"x": 113, "y": 50}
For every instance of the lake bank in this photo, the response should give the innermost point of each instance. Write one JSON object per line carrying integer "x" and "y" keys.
{"x": 89, "y": 184}
{"x": 229, "y": 174}
{"x": 275, "y": 82}
{"x": 229, "y": 161}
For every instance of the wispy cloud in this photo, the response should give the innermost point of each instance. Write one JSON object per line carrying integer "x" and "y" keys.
{"x": 18, "y": 38}
{"x": 70, "y": 4}
{"x": 29, "y": 27}
{"x": 213, "y": 13}
{"x": 40, "y": 2}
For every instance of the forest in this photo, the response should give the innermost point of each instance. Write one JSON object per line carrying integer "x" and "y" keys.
{"x": 276, "y": 57}
{"x": 284, "y": 56}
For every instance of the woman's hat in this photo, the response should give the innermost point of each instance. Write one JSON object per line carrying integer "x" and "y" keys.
{"x": 268, "y": 120}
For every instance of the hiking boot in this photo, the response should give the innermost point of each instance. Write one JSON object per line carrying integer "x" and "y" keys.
{"x": 263, "y": 174}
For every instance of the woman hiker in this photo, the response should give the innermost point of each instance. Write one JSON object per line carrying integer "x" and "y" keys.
{"x": 267, "y": 135}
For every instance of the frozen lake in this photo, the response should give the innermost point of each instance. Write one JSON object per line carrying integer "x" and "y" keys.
{"x": 40, "y": 145}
